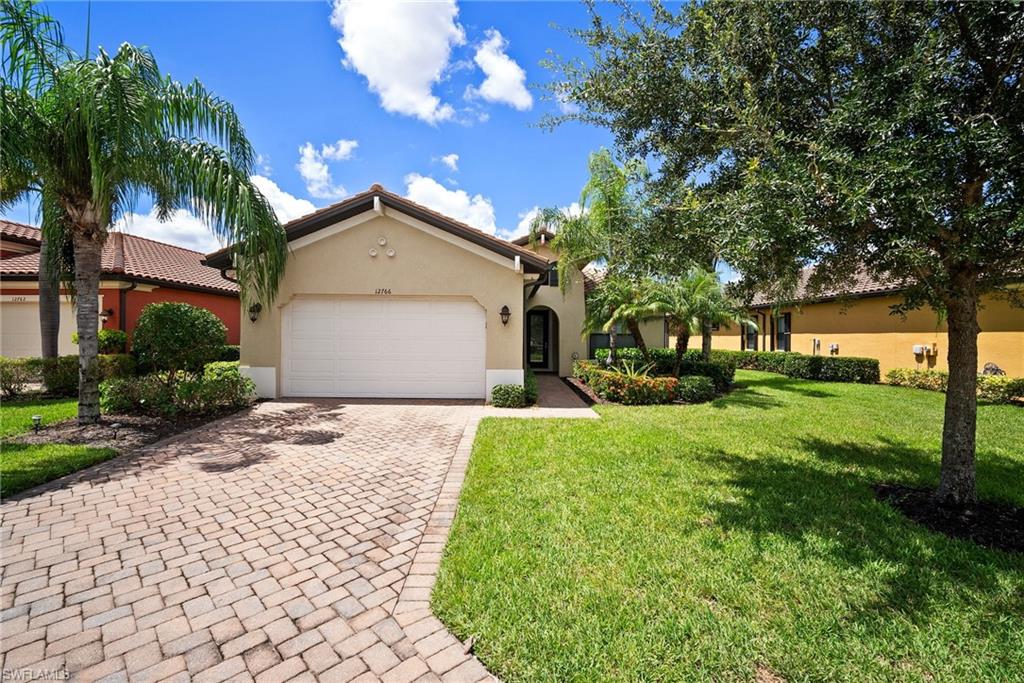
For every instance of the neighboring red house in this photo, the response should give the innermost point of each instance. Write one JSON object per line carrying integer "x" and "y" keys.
{"x": 136, "y": 271}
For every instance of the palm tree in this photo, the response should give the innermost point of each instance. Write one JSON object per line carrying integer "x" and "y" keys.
{"x": 92, "y": 136}
{"x": 601, "y": 231}
{"x": 699, "y": 299}
{"x": 633, "y": 302}
{"x": 675, "y": 300}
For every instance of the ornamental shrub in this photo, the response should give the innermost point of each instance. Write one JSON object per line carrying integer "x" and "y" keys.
{"x": 15, "y": 374}
{"x": 991, "y": 388}
{"x": 109, "y": 341}
{"x": 229, "y": 352}
{"x": 630, "y": 389}
{"x": 508, "y": 396}
{"x": 530, "y": 387}
{"x": 721, "y": 368}
{"x": 221, "y": 369}
{"x": 60, "y": 375}
{"x": 177, "y": 338}
{"x": 146, "y": 395}
{"x": 695, "y": 389}
{"x": 153, "y": 395}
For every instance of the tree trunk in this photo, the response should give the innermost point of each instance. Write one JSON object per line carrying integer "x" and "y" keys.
{"x": 634, "y": 329}
{"x": 49, "y": 305}
{"x": 88, "y": 249}
{"x": 612, "y": 355}
{"x": 956, "y": 480}
{"x": 705, "y": 340}
{"x": 682, "y": 341}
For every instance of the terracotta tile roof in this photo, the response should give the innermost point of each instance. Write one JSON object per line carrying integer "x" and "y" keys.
{"x": 358, "y": 203}
{"x": 19, "y": 232}
{"x": 523, "y": 241}
{"x": 862, "y": 284}
{"x": 136, "y": 258}
{"x": 592, "y": 277}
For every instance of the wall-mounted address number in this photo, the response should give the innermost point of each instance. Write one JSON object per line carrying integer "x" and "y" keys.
{"x": 383, "y": 292}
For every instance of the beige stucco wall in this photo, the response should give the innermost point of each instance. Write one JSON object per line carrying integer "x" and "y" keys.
{"x": 866, "y": 328}
{"x": 428, "y": 263}
{"x": 569, "y": 309}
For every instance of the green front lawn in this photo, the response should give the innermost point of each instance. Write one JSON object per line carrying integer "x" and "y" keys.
{"x": 22, "y": 465}
{"x": 16, "y": 415}
{"x": 732, "y": 541}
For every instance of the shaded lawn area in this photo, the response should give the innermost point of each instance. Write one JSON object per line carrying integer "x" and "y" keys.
{"x": 732, "y": 541}
{"x": 23, "y": 466}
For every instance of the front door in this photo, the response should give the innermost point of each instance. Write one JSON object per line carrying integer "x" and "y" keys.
{"x": 537, "y": 339}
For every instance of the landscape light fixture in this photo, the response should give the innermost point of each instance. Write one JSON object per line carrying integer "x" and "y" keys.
{"x": 254, "y": 311}
{"x": 505, "y": 315}
{"x": 36, "y": 421}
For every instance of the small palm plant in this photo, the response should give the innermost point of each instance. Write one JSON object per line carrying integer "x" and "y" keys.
{"x": 620, "y": 301}
{"x": 91, "y": 136}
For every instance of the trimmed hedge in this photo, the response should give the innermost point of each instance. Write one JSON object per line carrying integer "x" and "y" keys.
{"x": 832, "y": 368}
{"x": 695, "y": 389}
{"x": 627, "y": 389}
{"x": 508, "y": 396}
{"x": 152, "y": 395}
{"x": 530, "y": 387}
{"x": 177, "y": 337}
{"x": 721, "y": 368}
{"x": 229, "y": 353}
{"x": 991, "y": 388}
{"x": 58, "y": 375}
{"x": 109, "y": 341}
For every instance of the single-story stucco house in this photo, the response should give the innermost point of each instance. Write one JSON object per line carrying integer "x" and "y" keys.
{"x": 383, "y": 297}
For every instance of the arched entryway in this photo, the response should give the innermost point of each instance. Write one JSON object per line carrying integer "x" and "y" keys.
{"x": 541, "y": 343}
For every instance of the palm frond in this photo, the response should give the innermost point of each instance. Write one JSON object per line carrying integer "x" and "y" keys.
{"x": 33, "y": 46}
{"x": 192, "y": 111}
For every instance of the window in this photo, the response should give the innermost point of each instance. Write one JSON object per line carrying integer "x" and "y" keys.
{"x": 749, "y": 338}
{"x": 553, "y": 277}
{"x": 783, "y": 327}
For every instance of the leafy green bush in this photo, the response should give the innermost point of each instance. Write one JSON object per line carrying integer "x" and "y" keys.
{"x": 60, "y": 375}
{"x": 16, "y": 373}
{"x": 695, "y": 389}
{"x": 109, "y": 341}
{"x": 530, "y": 387}
{"x": 991, "y": 388}
{"x": 766, "y": 361}
{"x": 229, "y": 352}
{"x": 630, "y": 389}
{"x": 177, "y": 338}
{"x": 221, "y": 369}
{"x": 153, "y": 395}
{"x": 508, "y": 396}
{"x": 721, "y": 368}
{"x": 832, "y": 368}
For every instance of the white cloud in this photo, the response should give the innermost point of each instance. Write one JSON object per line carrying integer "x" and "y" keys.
{"x": 341, "y": 150}
{"x": 402, "y": 49}
{"x": 451, "y": 161}
{"x": 475, "y": 210}
{"x": 263, "y": 163}
{"x": 286, "y": 206}
{"x": 506, "y": 80}
{"x": 182, "y": 229}
{"x": 315, "y": 173}
{"x": 527, "y": 217}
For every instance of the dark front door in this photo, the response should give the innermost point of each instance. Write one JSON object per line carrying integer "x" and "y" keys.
{"x": 537, "y": 339}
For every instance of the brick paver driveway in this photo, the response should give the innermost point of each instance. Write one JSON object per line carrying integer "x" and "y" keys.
{"x": 298, "y": 541}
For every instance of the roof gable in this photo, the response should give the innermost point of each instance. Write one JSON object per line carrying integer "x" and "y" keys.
{"x": 375, "y": 198}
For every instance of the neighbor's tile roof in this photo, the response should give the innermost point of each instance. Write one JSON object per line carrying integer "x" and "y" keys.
{"x": 135, "y": 257}
{"x": 19, "y": 231}
{"x": 861, "y": 284}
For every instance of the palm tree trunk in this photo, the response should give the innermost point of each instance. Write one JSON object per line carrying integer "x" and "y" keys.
{"x": 634, "y": 329}
{"x": 88, "y": 250}
{"x": 956, "y": 478}
{"x": 705, "y": 340}
{"x": 49, "y": 305}
{"x": 682, "y": 341}
{"x": 612, "y": 354}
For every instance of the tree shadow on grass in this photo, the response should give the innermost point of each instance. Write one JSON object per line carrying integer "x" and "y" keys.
{"x": 746, "y": 393}
{"x": 825, "y": 503}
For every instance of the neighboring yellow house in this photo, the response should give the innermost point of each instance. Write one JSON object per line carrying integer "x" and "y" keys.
{"x": 860, "y": 324}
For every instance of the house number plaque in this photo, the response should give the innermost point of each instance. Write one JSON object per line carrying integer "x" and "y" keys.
{"x": 383, "y": 291}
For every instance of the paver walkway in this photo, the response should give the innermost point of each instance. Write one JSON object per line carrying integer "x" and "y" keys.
{"x": 294, "y": 542}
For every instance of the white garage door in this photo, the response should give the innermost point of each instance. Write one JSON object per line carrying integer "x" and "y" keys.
{"x": 384, "y": 348}
{"x": 19, "y": 327}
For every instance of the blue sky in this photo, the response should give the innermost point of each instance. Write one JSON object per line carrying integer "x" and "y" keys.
{"x": 414, "y": 84}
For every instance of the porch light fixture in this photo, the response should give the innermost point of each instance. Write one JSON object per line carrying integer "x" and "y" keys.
{"x": 106, "y": 314}
{"x": 505, "y": 315}
{"x": 254, "y": 311}
{"x": 36, "y": 421}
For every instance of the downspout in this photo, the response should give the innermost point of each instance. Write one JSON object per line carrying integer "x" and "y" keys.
{"x": 122, "y": 302}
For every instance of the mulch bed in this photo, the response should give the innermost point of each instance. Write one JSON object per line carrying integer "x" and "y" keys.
{"x": 993, "y": 525}
{"x": 132, "y": 431}
{"x": 583, "y": 391}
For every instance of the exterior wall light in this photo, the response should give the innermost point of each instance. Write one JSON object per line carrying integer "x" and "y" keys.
{"x": 106, "y": 314}
{"x": 254, "y": 311}
{"x": 505, "y": 315}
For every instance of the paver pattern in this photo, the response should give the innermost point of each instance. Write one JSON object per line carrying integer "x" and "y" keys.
{"x": 297, "y": 541}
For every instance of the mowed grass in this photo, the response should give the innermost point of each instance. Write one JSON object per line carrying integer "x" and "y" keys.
{"x": 16, "y": 415}
{"x": 23, "y": 466}
{"x": 732, "y": 541}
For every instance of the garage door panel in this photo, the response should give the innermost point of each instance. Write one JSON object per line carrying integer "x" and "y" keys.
{"x": 384, "y": 348}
